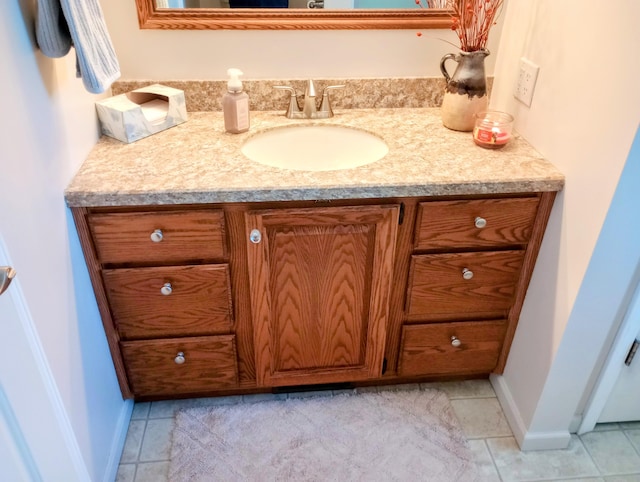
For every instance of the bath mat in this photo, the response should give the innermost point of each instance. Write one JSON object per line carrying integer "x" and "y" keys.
{"x": 408, "y": 435}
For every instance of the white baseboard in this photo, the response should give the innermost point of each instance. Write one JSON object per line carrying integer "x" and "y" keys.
{"x": 526, "y": 440}
{"x": 117, "y": 444}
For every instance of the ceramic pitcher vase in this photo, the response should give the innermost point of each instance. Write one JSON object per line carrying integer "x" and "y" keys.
{"x": 466, "y": 90}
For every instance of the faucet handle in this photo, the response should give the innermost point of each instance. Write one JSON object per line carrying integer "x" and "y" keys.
{"x": 293, "y": 100}
{"x": 325, "y": 106}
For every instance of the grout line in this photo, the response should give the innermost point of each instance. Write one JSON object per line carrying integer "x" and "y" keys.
{"x": 493, "y": 460}
{"x": 144, "y": 434}
{"x": 637, "y": 449}
{"x": 586, "y": 449}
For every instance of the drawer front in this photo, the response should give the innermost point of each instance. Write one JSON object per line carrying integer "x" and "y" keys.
{"x": 170, "y": 301}
{"x": 458, "y": 224}
{"x": 153, "y": 367}
{"x": 185, "y": 236}
{"x": 462, "y": 282}
{"x": 431, "y": 349}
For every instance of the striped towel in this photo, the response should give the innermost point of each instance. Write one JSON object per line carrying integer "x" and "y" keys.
{"x": 61, "y": 24}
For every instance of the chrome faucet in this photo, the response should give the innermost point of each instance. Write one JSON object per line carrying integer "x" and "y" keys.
{"x": 310, "y": 108}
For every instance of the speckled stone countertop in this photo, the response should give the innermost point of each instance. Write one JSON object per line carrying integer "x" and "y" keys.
{"x": 197, "y": 162}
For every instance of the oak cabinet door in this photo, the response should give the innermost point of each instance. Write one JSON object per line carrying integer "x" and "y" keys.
{"x": 320, "y": 281}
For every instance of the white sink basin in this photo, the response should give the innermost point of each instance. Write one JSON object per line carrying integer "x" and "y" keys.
{"x": 314, "y": 148}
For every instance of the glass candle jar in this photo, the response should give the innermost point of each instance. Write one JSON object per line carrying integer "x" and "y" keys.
{"x": 492, "y": 129}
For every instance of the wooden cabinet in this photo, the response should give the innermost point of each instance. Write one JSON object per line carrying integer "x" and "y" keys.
{"x": 320, "y": 283}
{"x": 469, "y": 269}
{"x": 231, "y": 298}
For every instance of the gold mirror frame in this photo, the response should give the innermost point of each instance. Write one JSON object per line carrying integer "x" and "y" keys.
{"x": 150, "y": 17}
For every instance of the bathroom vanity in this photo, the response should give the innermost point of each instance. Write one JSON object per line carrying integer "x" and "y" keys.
{"x": 217, "y": 275}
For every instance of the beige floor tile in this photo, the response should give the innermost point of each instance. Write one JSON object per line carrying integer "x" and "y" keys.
{"x": 310, "y": 394}
{"x": 604, "y": 427}
{"x": 157, "y": 440}
{"x": 168, "y": 408}
{"x": 581, "y": 479}
{"x": 634, "y": 436}
{"x": 515, "y": 465}
{"x": 486, "y": 468}
{"x": 612, "y": 452}
{"x": 400, "y": 386}
{"x": 263, "y": 397}
{"x": 126, "y": 473}
{"x": 153, "y": 472}
{"x": 481, "y": 417}
{"x": 133, "y": 441}
{"x": 140, "y": 411}
{"x": 464, "y": 388}
{"x": 623, "y": 478}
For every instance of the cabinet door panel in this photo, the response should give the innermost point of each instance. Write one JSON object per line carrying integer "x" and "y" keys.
{"x": 198, "y": 303}
{"x": 320, "y": 282}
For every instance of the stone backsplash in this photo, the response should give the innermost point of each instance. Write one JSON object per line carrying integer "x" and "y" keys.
{"x": 206, "y": 95}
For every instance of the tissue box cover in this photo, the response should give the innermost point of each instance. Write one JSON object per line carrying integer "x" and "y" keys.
{"x": 140, "y": 113}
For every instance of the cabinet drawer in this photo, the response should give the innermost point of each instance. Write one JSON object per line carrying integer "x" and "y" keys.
{"x": 428, "y": 349}
{"x": 458, "y": 224}
{"x": 153, "y": 369}
{"x": 170, "y": 301}
{"x": 183, "y": 236}
{"x": 438, "y": 283}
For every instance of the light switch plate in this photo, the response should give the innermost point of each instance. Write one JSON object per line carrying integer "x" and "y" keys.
{"x": 527, "y": 76}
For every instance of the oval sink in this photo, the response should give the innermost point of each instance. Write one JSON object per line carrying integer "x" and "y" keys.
{"x": 314, "y": 148}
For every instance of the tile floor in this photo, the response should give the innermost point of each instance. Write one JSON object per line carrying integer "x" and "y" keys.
{"x": 609, "y": 453}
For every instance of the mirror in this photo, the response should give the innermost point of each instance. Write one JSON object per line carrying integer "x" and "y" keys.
{"x": 154, "y": 14}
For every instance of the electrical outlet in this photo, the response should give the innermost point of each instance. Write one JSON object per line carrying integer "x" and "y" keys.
{"x": 527, "y": 76}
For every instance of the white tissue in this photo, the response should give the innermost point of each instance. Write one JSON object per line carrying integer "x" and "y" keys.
{"x": 155, "y": 111}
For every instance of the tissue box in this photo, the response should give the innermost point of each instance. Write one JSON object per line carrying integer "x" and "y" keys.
{"x": 142, "y": 112}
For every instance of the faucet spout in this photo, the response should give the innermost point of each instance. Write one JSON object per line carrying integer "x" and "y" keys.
{"x": 310, "y": 107}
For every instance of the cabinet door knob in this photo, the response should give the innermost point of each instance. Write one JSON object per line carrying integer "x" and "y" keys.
{"x": 255, "y": 236}
{"x": 157, "y": 236}
{"x": 480, "y": 222}
{"x": 455, "y": 341}
{"x": 467, "y": 273}
{"x": 180, "y": 359}
{"x": 166, "y": 289}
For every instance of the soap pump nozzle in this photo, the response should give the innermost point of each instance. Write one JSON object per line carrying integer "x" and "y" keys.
{"x": 234, "y": 83}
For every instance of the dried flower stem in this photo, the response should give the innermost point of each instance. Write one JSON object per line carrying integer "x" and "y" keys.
{"x": 472, "y": 19}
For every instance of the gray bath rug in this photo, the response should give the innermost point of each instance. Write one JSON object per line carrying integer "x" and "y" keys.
{"x": 387, "y": 436}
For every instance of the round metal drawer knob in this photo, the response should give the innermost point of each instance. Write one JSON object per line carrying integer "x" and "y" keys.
{"x": 166, "y": 289}
{"x": 455, "y": 341}
{"x": 255, "y": 236}
{"x": 467, "y": 273}
{"x": 179, "y": 359}
{"x": 480, "y": 222}
{"x": 157, "y": 236}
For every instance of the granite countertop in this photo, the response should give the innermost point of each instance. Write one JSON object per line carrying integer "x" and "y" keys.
{"x": 197, "y": 162}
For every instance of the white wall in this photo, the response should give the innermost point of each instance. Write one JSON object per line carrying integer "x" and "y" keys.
{"x": 206, "y": 54}
{"x": 48, "y": 127}
{"x": 583, "y": 118}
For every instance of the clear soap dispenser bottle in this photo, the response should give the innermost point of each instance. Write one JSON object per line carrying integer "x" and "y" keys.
{"x": 235, "y": 104}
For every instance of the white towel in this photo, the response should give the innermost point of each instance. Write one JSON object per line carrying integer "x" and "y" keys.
{"x": 63, "y": 23}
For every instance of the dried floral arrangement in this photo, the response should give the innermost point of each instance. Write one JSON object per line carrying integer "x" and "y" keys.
{"x": 472, "y": 19}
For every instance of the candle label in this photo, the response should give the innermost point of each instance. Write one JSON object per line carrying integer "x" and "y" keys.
{"x": 490, "y": 136}
{"x": 486, "y": 135}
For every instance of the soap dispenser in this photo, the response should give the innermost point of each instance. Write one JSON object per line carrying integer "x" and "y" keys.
{"x": 235, "y": 104}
